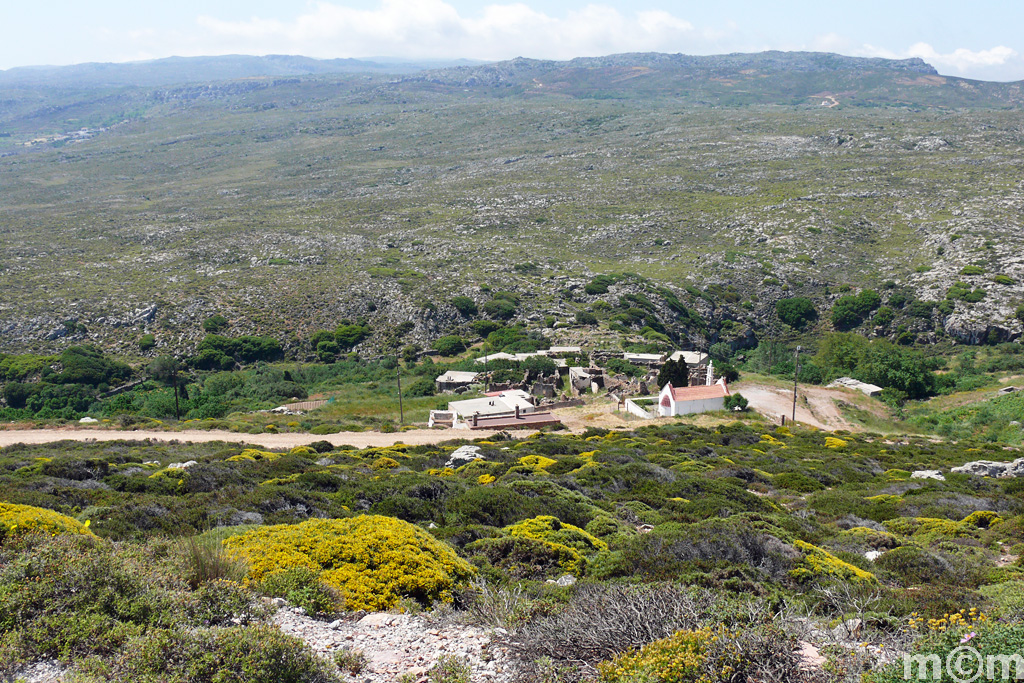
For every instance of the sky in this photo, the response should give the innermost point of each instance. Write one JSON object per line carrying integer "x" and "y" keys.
{"x": 981, "y": 39}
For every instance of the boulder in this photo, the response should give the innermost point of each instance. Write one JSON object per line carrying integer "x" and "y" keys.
{"x": 462, "y": 456}
{"x": 927, "y": 474}
{"x": 989, "y": 468}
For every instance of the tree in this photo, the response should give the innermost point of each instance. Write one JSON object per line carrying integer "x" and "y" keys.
{"x": 839, "y": 353}
{"x": 796, "y": 311}
{"x": 450, "y": 345}
{"x": 146, "y": 342}
{"x": 736, "y": 401}
{"x": 846, "y": 313}
{"x": 586, "y": 318}
{"x": 348, "y": 335}
{"x": 674, "y": 372}
{"x": 464, "y": 305}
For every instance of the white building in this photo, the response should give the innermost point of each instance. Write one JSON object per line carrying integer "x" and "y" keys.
{"x": 512, "y": 402}
{"x": 691, "y": 400}
{"x": 690, "y": 357}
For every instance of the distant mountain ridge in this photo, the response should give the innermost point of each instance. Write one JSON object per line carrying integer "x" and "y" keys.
{"x": 180, "y": 70}
{"x": 795, "y": 62}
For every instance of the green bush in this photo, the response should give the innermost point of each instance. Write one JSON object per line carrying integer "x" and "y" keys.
{"x": 796, "y": 311}
{"x": 302, "y": 587}
{"x": 502, "y": 309}
{"x": 599, "y": 285}
{"x": 450, "y": 345}
{"x": 464, "y": 305}
{"x": 255, "y": 654}
{"x": 146, "y": 342}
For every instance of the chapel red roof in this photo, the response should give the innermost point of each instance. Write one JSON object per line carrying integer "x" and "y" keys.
{"x": 700, "y": 393}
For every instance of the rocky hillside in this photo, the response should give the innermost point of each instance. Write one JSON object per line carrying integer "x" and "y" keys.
{"x": 287, "y": 204}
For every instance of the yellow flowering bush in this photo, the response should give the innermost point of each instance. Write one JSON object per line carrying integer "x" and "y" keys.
{"x": 551, "y": 530}
{"x": 817, "y": 563}
{"x": 833, "y": 442}
{"x": 373, "y": 561}
{"x": 301, "y": 450}
{"x": 536, "y": 462}
{"x": 689, "y": 656}
{"x": 384, "y": 464}
{"x": 20, "y": 519}
{"x": 254, "y": 455}
{"x": 485, "y": 479}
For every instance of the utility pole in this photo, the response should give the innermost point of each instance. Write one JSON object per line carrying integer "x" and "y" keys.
{"x": 796, "y": 374}
{"x": 174, "y": 381}
{"x": 401, "y": 410}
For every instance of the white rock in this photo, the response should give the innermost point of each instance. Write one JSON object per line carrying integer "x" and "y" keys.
{"x": 88, "y": 421}
{"x": 927, "y": 474}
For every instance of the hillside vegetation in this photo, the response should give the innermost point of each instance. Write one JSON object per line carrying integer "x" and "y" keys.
{"x": 722, "y": 185}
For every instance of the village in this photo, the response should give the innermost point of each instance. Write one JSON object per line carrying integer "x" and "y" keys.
{"x": 528, "y": 404}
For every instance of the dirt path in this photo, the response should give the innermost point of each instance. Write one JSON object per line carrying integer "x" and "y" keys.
{"x": 815, "y": 405}
{"x": 413, "y": 437}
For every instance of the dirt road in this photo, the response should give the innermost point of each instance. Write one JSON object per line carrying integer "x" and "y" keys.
{"x": 414, "y": 437}
{"x": 815, "y": 405}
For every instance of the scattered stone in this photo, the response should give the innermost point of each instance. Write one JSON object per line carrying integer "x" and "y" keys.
{"x": 873, "y": 554}
{"x": 928, "y": 474}
{"x": 88, "y": 421}
{"x": 182, "y": 465}
{"x": 567, "y": 580}
{"x": 409, "y": 645}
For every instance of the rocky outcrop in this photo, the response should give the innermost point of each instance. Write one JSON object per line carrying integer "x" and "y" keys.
{"x": 989, "y": 468}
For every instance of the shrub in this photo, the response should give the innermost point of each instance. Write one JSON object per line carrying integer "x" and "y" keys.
{"x": 794, "y": 481}
{"x": 350, "y": 659}
{"x": 502, "y": 309}
{"x": 450, "y": 345}
{"x": 205, "y": 559}
{"x": 551, "y": 530}
{"x": 464, "y": 305}
{"x": 604, "y": 619}
{"x": 302, "y": 587}
{"x": 450, "y": 669}
{"x": 254, "y": 654}
{"x": 215, "y": 323}
{"x": 736, "y": 402}
{"x": 21, "y": 519}
{"x": 373, "y": 561}
{"x": 796, "y": 311}
{"x": 818, "y": 564}
{"x": 528, "y": 558}
{"x": 599, "y": 285}
{"x": 146, "y": 342}
{"x": 586, "y": 318}
{"x": 913, "y": 565}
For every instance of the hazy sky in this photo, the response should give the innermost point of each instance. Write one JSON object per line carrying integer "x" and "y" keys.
{"x": 979, "y": 39}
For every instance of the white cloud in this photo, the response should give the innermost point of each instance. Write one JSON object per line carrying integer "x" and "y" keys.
{"x": 963, "y": 60}
{"x": 997, "y": 63}
{"x": 434, "y": 28}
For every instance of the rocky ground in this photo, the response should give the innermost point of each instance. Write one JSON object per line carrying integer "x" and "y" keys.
{"x": 398, "y": 644}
